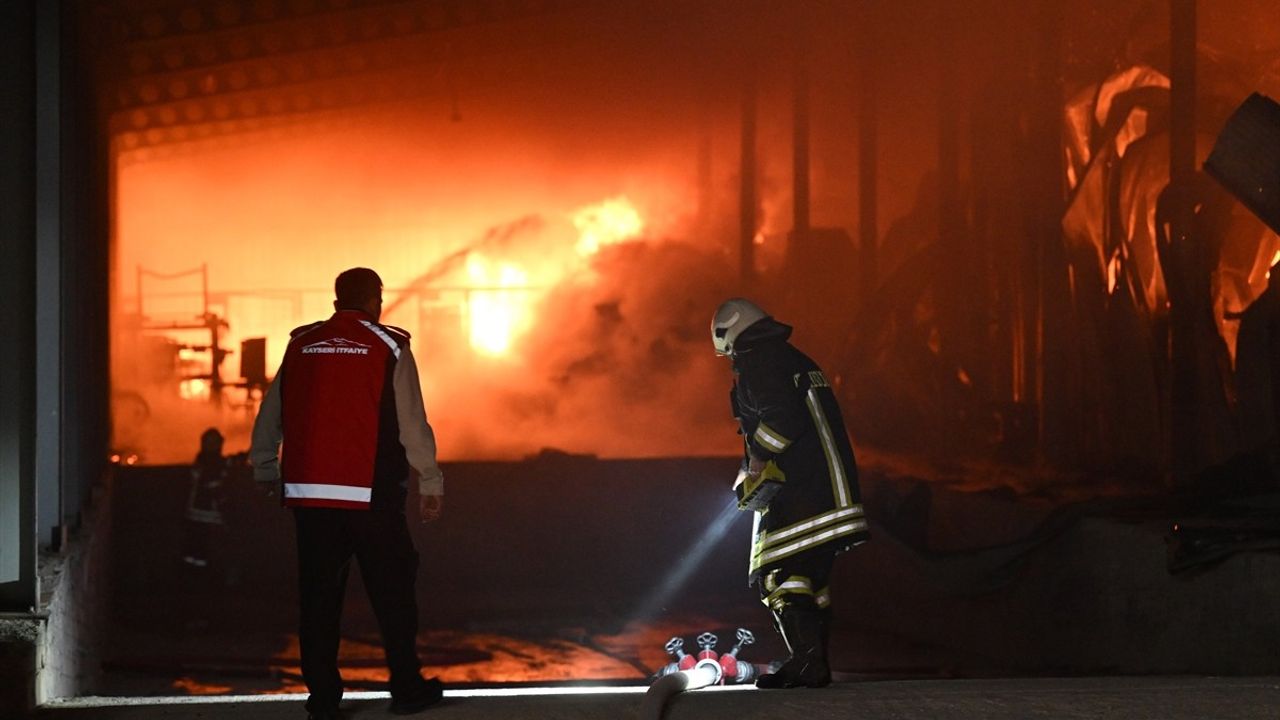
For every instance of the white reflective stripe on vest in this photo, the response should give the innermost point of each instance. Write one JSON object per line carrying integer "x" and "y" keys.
{"x": 317, "y": 491}
{"x": 395, "y": 349}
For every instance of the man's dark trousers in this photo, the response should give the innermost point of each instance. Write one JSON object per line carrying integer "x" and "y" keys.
{"x": 379, "y": 540}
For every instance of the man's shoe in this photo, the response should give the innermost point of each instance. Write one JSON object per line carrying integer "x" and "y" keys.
{"x": 428, "y": 694}
{"x": 324, "y": 715}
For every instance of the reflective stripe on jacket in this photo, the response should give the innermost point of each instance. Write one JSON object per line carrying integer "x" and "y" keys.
{"x": 788, "y": 413}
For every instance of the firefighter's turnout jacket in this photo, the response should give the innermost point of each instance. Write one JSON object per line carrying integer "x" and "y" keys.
{"x": 209, "y": 476}
{"x": 347, "y": 405}
{"x": 787, "y": 413}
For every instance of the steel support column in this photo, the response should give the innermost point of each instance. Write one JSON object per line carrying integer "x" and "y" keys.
{"x": 48, "y": 311}
{"x": 1049, "y": 290}
{"x": 1186, "y": 408}
{"x": 19, "y": 589}
{"x": 800, "y": 139}
{"x": 868, "y": 157}
{"x": 747, "y": 197}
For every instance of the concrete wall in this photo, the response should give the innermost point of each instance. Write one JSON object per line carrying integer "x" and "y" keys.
{"x": 75, "y": 585}
{"x": 559, "y": 536}
{"x": 56, "y": 651}
{"x": 987, "y": 584}
{"x": 953, "y": 583}
{"x": 20, "y": 638}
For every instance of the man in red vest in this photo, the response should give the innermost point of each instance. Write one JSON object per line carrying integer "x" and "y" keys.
{"x": 344, "y": 427}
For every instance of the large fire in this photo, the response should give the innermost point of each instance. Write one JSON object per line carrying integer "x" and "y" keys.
{"x": 470, "y": 284}
{"x": 606, "y": 223}
{"x": 503, "y": 295}
{"x": 498, "y": 303}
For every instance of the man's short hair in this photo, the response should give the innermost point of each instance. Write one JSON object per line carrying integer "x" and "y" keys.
{"x": 357, "y": 286}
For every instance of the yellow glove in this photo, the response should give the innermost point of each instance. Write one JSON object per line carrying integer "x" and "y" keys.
{"x": 755, "y": 490}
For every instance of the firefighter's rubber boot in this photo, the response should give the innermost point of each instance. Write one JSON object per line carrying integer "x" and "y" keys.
{"x": 802, "y": 629}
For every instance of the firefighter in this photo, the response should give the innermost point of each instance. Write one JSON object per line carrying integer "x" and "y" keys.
{"x": 795, "y": 444}
{"x": 205, "y": 500}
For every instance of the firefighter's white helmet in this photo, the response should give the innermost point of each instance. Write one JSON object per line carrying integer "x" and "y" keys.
{"x": 732, "y": 317}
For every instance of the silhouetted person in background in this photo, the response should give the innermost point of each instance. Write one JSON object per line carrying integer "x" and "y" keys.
{"x": 347, "y": 406}
{"x": 204, "y": 519}
{"x": 795, "y": 444}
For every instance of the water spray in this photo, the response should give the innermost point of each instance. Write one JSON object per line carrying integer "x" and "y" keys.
{"x": 691, "y": 672}
{"x": 688, "y": 563}
{"x": 498, "y": 237}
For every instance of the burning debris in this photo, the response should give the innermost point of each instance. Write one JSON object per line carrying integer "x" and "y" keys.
{"x": 509, "y": 304}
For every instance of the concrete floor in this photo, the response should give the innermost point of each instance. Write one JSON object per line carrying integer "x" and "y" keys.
{"x": 1166, "y": 698}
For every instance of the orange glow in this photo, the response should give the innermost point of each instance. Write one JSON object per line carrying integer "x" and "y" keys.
{"x": 612, "y": 221}
{"x": 515, "y": 300}
{"x": 194, "y": 389}
{"x": 496, "y": 315}
{"x": 502, "y": 297}
{"x": 1113, "y": 272}
{"x": 507, "y": 659}
{"x": 191, "y": 686}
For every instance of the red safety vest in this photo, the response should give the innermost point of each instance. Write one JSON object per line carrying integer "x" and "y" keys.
{"x": 338, "y": 409}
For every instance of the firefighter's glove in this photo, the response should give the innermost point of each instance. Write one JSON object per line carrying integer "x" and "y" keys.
{"x": 749, "y": 473}
{"x": 755, "y": 490}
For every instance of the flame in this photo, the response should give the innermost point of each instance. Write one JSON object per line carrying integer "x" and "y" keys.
{"x": 503, "y": 296}
{"x": 499, "y": 306}
{"x": 606, "y": 223}
{"x": 194, "y": 389}
{"x": 1114, "y": 269}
